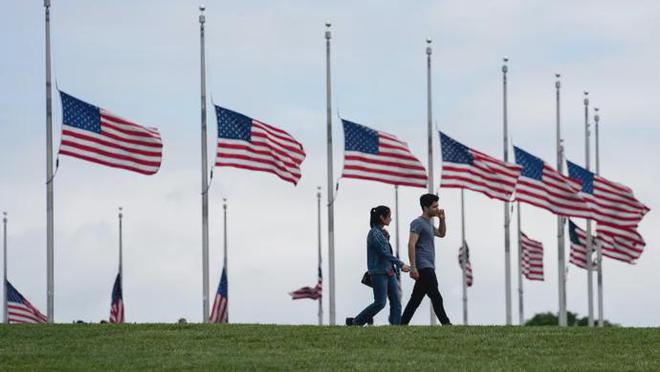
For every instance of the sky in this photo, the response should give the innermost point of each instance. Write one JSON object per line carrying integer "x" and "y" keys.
{"x": 267, "y": 60}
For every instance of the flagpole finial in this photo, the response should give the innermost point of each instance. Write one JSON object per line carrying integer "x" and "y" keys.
{"x": 586, "y": 98}
{"x": 505, "y": 68}
{"x": 224, "y": 203}
{"x": 328, "y": 34}
{"x": 47, "y": 3}
{"x": 202, "y": 18}
{"x": 596, "y": 117}
{"x": 121, "y": 211}
{"x": 4, "y": 216}
{"x": 428, "y": 45}
{"x": 328, "y": 24}
{"x": 557, "y": 83}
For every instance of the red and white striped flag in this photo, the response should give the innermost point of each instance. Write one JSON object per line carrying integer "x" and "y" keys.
{"x": 579, "y": 255}
{"x": 19, "y": 309}
{"x": 247, "y": 143}
{"x": 465, "y": 168}
{"x": 378, "y": 156}
{"x": 532, "y": 258}
{"x": 617, "y": 211}
{"x": 219, "y": 311}
{"x": 313, "y": 293}
{"x": 542, "y": 186}
{"x": 96, "y": 135}
{"x": 117, "y": 305}
{"x": 468, "y": 266}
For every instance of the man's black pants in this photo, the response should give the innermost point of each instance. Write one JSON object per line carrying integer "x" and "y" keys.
{"x": 426, "y": 284}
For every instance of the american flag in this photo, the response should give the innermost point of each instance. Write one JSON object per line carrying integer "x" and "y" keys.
{"x": 468, "y": 267}
{"x": 465, "y": 168}
{"x": 579, "y": 246}
{"x": 19, "y": 309}
{"x": 544, "y": 187}
{"x": 117, "y": 305}
{"x": 219, "y": 312}
{"x": 378, "y": 156}
{"x": 621, "y": 248}
{"x": 313, "y": 293}
{"x": 96, "y": 135}
{"x": 250, "y": 144}
{"x": 613, "y": 206}
{"x": 532, "y": 258}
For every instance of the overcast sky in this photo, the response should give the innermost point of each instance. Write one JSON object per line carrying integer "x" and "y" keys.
{"x": 267, "y": 60}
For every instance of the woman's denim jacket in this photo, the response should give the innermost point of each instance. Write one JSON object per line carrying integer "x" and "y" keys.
{"x": 379, "y": 253}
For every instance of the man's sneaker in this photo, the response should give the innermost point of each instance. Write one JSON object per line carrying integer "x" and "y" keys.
{"x": 349, "y": 321}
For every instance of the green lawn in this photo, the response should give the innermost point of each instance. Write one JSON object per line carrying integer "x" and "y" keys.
{"x": 195, "y": 346}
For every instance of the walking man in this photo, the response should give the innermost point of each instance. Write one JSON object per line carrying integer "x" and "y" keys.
{"x": 421, "y": 251}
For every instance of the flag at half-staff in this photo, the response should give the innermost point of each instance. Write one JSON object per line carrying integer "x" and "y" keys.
{"x": 219, "y": 312}
{"x": 247, "y": 143}
{"x": 578, "y": 237}
{"x": 313, "y": 293}
{"x": 617, "y": 211}
{"x": 96, "y": 135}
{"x": 378, "y": 156}
{"x": 19, "y": 309}
{"x": 468, "y": 265}
{"x": 544, "y": 187}
{"x": 117, "y": 305}
{"x": 466, "y": 168}
{"x": 532, "y": 258}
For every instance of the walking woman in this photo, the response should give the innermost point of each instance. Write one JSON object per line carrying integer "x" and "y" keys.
{"x": 383, "y": 267}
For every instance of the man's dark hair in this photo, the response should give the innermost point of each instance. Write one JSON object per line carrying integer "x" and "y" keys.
{"x": 427, "y": 199}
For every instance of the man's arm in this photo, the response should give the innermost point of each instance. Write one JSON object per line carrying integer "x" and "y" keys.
{"x": 441, "y": 230}
{"x": 411, "y": 254}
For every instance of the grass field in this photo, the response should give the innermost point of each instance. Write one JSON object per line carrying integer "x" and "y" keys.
{"x": 259, "y": 347}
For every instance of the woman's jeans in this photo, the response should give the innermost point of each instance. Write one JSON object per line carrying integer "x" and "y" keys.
{"x": 385, "y": 287}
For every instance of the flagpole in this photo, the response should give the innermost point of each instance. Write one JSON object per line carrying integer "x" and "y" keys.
{"x": 50, "y": 222}
{"x": 205, "y": 195}
{"x": 507, "y": 222}
{"x": 590, "y": 288}
{"x": 121, "y": 248}
{"x": 599, "y": 248}
{"x": 429, "y": 114}
{"x": 464, "y": 259}
{"x": 224, "y": 247}
{"x": 331, "y": 198}
{"x": 396, "y": 218}
{"x": 521, "y": 314}
{"x": 561, "y": 261}
{"x": 318, "y": 231}
{"x": 4, "y": 260}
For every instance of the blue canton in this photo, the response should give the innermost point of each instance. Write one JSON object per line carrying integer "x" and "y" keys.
{"x": 360, "y": 138}
{"x": 222, "y": 288}
{"x": 572, "y": 232}
{"x": 532, "y": 167}
{"x": 453, "y": 151}
{"x": 576, "y": 172}
{"x": 79, "y": 114}
{"x": 232, "y": 125}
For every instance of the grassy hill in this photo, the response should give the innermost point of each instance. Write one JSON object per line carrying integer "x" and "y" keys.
{"x": 196, "y": 346}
